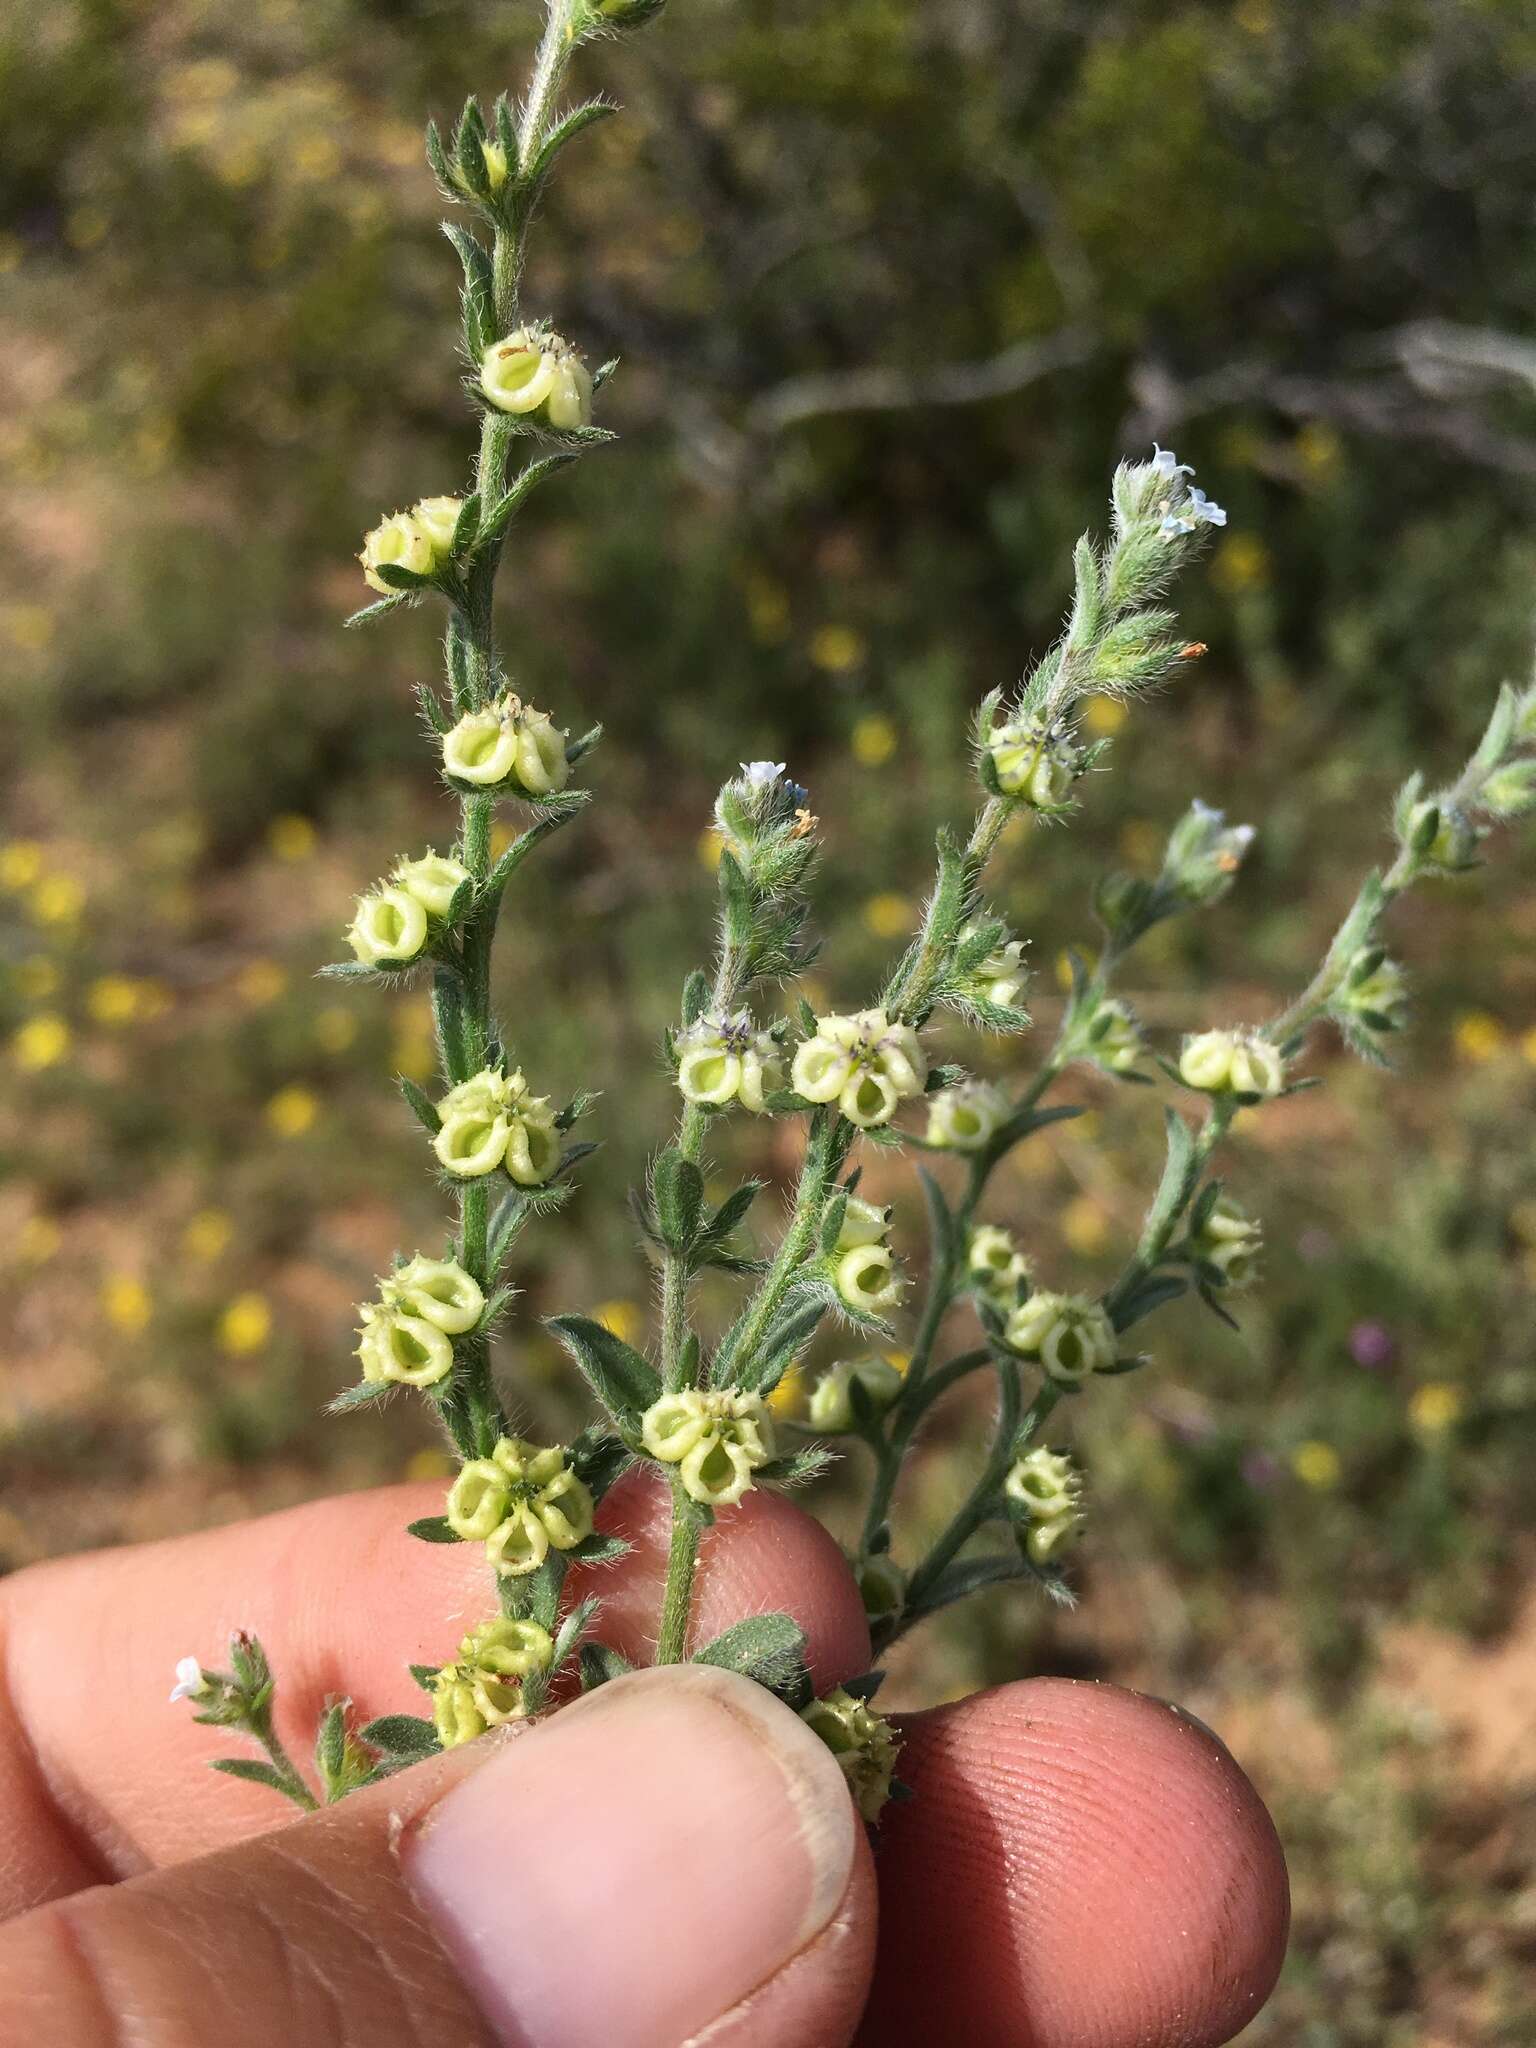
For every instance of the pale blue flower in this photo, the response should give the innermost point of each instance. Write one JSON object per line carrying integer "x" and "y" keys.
{"x": 1167, "y": 464}
{"x": 190, "y": 1682}
{"x": 761, "y": 774}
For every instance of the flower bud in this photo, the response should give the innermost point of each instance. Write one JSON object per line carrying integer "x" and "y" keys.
{"x": 398, "y": 542}
{"x": 867, "y": 1280}
{"x": 1375, "y": 991}
{"x": 1111, "y": 1037}
{"x": 626, "y": 13}
{"x": 495, "y": 164}
{"x": 1204, "y": 855}
{"x": 433, "y": 881}
{"x": 1069, "y": 1334}
{"x": 1001, "y": 977}
{"x": 865, "y": 1745}
{"x": 404, "y": 1348}
{"x": 996, "y": 1266}
{"x": 1440, "y": 835}
{"x": 1036, "y": 763}
{"x": 832, "y": 1409}
{"x": 1510, "y": 791}
{"x": 1230, "y": 1241}
{"x": 966, "y": 1117}
{"x": 439, "y": 1291}
{"x": 716, "y": 1438}
{"x": 533, "y": 373}
{"x": 865, "y": 1063}
{"x": 1232, "y": 1063}
{"x": 726, "y": 1059}
{"x": 390, "y": 927}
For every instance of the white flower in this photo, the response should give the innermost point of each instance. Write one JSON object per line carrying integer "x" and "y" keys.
{"x": 761, "y": 774}
{"x": 190, "y": 1682}
{"x": 864, "y": 1063}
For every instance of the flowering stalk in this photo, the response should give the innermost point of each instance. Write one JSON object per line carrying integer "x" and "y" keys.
{"x": 698, "y": 1416}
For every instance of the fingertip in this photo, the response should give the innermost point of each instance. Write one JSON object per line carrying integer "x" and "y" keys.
{"x": 1110, "y": 1878}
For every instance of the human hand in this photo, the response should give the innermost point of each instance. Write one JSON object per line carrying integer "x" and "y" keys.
{"x": 672, "y": 1860}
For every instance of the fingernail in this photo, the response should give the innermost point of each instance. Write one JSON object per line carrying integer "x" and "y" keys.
{"x": 631, "y": 1870}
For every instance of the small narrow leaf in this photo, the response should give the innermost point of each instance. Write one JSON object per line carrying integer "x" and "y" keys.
{"x": 402, "y": 1735}
{"x": 421, "y": 1103}
{"x": 767, "y": 1647}
{"x": 599, "y": 1664}
{"x": 431, "y": 1529}
{"x": 623, "y": 1381}
{"x": 251, "y": 1771}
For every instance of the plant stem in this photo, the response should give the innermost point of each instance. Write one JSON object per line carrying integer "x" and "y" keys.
{"x": 293, "y": 1786}
{"x": 682, "y": 1562}
{"x": 1012, "y": 1429}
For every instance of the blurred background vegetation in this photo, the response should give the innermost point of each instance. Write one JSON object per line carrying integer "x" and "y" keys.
{"x": 905, "y": 280}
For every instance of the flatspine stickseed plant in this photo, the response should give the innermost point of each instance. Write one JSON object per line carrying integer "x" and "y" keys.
{"x": 697, "y": 1414}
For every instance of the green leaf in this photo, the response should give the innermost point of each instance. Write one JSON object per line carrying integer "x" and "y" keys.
{"x": 406, "y": 1736}
{"x": 969, "y": 1575}
{"x": 401, "y": 579}
{"x": 431, "y": 1529}
{"x": 600, "y": 1549}
{"x": 424, "y": 1675}
{"x": 622, "y": 1380}
{"x": 370, "y": 612}
{"x": 565, "y": 130}
{"x": 767, "y": 1647}
{"x": 1153, "y": 1293}
{"x": 941, "y": 1220}
{"x": 572, "y": 1629}
{"x": 252, "y": 1772}
{"x": 421, "y": 1103}
{"x": 599, "y": 1664}
{"x": 677, "y": 1194}
{"x": 331, "y": 1744}
{"x": 1178, "y": 1182}
{"x": 500, "y": 516}
{"x": 479, "y": 293}
{"x": 363, "y": 1395}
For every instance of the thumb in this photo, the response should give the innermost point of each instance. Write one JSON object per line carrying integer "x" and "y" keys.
{"x": 674, "y": 1853}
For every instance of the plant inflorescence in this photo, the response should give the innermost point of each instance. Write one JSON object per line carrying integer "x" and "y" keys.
{"x": 696, "y": 1409}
